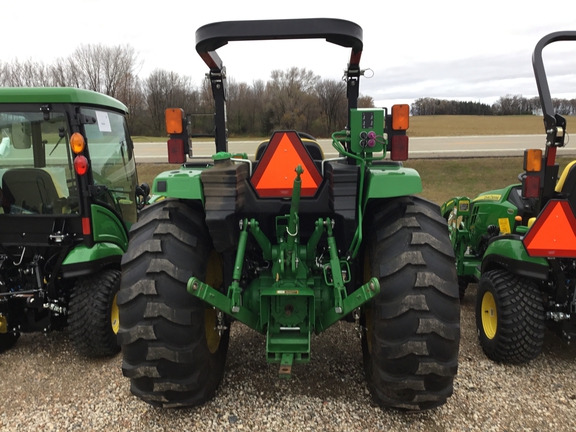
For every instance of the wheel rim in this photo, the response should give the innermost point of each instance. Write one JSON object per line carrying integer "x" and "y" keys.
{"x": 214, "y": 279}
{"x": 212, "y": 335}
{"x": 115, "y": 316}
{"x": 489, "y": 315}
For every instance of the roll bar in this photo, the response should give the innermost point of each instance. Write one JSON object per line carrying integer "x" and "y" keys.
{"x": 550, "y": 119}
{"x": 212, "y": 36}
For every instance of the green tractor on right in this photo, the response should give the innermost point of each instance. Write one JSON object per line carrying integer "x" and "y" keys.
{"x": 519, "y": 243}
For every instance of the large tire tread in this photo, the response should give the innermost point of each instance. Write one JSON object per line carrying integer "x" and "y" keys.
{"x": 415, "y": 333}
{"x": 162, "y": 333}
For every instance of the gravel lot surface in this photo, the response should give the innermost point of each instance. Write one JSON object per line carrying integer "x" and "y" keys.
{"x": 46, "y": 387}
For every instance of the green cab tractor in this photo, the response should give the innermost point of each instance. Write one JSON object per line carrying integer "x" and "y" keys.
{"x": 67, "y": 200}
{"x": 519, "y": 243}
{"x": 289, "y": 243}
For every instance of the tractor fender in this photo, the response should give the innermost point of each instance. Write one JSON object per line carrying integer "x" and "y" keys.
{"x": 183, "y": 183}
{"x": 108, "y": 228}
{"x": 509, "y": 253}
{"x": 392, "y": 180}
{"x": 84, "y": 260}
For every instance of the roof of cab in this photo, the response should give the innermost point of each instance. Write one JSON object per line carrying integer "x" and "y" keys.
{"x": 59, "y": 95}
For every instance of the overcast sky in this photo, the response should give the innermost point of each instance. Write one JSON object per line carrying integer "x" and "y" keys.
{"x": 444, "y": 49}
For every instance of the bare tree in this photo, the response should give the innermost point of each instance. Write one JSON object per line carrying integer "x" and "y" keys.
{"x": 365, "y": 101}
{"x": 100, "y": 68}
{"x": 290, "y": 97}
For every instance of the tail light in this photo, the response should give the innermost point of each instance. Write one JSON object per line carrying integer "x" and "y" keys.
{"x": 531, "y": 186}
{"x": 80, "y": 165}
{"x": 531, "y": 181}
{"x": 399, "y": 148}
{"x": 398, "y": 139}
{"x": 179, "y": 141}
{"x": 176, "y": 153}
{"x": 86, "y": 227}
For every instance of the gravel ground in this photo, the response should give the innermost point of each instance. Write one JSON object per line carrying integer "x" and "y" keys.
{"x": 46, "y": 387}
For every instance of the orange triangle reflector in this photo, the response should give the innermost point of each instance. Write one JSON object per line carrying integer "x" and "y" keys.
{"x": 554, "y": 232}
{"x": 274, "y": 176}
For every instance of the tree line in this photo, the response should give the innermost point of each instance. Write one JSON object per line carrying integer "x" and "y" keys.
{"x": 295, "y": 98}
{"x": 505, "y": 105}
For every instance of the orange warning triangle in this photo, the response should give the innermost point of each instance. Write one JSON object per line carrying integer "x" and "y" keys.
{"x": 274, "y": 176}
{"x": 554, "y": 232}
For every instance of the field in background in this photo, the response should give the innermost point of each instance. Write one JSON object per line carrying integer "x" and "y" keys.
{"x": 447, "y": 125}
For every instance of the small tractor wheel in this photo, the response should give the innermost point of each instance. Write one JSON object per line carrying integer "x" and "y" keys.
{"x": 174, "y": 346}
{"x": 510, "y": 317}
{"x": 93, "y": 316}
{"x": 412, "y": 328}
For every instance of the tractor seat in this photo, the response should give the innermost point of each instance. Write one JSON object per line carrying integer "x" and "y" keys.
{"x": 30, "y": 189}
{"x": 566, "y": 185}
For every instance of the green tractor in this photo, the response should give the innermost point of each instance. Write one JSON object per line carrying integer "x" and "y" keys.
{"x": 67, "y": 200}
{"x": 289, "y": 243}
{"x": 519, "y": 243}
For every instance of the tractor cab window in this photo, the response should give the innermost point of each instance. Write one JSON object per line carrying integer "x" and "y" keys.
{"x": 112, "y": 161}
{"x": 36, "y": 172}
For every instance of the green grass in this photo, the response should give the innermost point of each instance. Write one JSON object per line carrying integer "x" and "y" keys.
{"x": 443, "y": 179}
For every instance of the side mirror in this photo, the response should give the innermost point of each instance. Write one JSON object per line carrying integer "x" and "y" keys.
{"x": 142, "y": 195}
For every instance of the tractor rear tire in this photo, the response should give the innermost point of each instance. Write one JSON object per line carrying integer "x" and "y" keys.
{"x": 510, "y": 317}
{"x": 172, "y": 351}
{"x": 93, "y": 315}
{"x": 412, "y": 327}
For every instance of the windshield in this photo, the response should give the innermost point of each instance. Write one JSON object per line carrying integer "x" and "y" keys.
{"x": 36, "y": 170}
{"x": 112, "y": 161}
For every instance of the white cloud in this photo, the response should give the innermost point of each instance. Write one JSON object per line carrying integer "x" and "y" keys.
{"x": 449, "y": 49}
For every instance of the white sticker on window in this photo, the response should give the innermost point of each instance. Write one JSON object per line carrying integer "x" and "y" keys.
{"x": 103, "y": 121}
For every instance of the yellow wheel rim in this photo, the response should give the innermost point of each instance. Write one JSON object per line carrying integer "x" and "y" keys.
{"x": 210, "y": 323}
{"x": 115, "y": 316}
{"x": 214, "y": 278}
{"x": 3, "y": 324}
{"x": 489, "y": 315}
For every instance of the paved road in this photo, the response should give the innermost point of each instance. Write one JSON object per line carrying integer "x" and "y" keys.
{"x": 469, "y": 146}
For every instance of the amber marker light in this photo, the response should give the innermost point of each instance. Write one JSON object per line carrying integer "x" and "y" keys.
{"x": 174, "y": 120}
{"x": 533, "y": 160}
{"x": 400, "y": 117}
{"x": 77, "y": 143}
